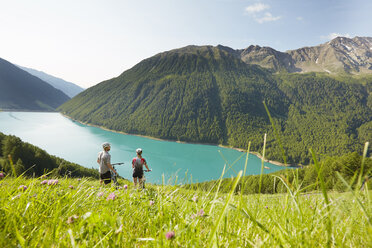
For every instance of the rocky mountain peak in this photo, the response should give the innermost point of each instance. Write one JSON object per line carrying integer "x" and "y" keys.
{"x": 267, "y": 57}
{"x": 342, "y": 54}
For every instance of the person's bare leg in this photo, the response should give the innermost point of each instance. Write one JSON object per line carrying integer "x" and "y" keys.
{"x": 135, "y": 181}
{"x": 140, "y": 182}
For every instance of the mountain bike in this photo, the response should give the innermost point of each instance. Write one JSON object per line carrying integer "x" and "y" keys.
{"x": 114, "y": 176}
{"x": 143, "y": 181}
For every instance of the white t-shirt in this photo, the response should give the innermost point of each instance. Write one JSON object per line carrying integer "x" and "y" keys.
{"x": 104, "y": 158}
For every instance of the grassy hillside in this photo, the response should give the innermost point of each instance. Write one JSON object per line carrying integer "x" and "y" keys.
{"x": 208, "y": 95}
{"x": 19, "y": 90}
{"x": 73, "y": 213}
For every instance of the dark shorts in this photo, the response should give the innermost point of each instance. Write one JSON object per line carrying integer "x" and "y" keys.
{"x": 106, "y": 177}
{"x": 138, "y": 173}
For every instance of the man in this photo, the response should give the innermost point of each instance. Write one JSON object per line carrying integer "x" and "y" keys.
{"x": 137, "y": 165}
{"x": 104, "y": 161}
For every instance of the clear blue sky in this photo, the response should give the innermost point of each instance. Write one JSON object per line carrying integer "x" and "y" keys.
{"x": 88, "y": 41}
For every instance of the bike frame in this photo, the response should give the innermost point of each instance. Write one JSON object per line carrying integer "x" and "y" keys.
{"x": 143, "y": 181}
{"x": 114, "y": 175}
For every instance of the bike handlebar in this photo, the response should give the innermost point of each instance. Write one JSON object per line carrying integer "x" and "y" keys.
{"x": 117, "y": 163}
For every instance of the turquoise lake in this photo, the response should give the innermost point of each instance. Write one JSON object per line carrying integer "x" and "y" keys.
{"x": 80, "y": 144}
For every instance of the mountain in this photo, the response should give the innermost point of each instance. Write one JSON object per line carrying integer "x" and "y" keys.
{"x": 211, "y": 95}
{"x": 268, "y": 57}
{"x": 340, "y": 55}
{"x": 68, "y": 88}
{"x": 20, "y": 90}
{"x": 183, "y": 94}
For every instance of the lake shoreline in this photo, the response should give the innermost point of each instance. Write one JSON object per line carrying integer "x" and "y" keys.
{"x": 154, "y": 138}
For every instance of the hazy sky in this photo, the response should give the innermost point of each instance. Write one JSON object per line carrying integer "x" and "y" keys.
{"x": 86, "y": 42}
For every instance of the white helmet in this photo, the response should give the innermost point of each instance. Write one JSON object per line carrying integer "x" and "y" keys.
{"x": 138, "y": 150}
{"x": 106, "y": 144}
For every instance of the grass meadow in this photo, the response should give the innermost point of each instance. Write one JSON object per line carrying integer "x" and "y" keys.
{"x": 39, "y": 212}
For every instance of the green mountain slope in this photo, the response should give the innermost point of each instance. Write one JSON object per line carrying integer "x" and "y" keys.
{"x": 331, "y": 116}
{"x": 194, "y": 94}
{"x": 19, "y": 90}
{"x": 209, "y": 95}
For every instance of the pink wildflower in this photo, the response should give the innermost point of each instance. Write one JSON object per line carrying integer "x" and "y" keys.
{"x": 112, "y": 196}
{"x": 2, "y": 175}
{"x": 170, "y": 235}
{"x": 55, "y": 182}
{"x": 71, "y": 187}
{"x": 152, "y": 202}
{"x": 195, "y": 198}
{"x": 201, "y": 213}
{"x": 100, "y": 194}
{"x": 125, "y": 186}
{"x": 22, "y": 187}
{"x": 44, "y": 182}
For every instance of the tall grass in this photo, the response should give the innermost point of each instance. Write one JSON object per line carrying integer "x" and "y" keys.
{"x": 77, "y": 213}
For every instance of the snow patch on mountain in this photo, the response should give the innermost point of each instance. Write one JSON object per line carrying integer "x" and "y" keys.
{"x": 348, "y": 48}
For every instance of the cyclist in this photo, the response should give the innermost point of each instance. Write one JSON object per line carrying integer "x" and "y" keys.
{"x": 104, "y": 161}
{"x": 137, "y": 165}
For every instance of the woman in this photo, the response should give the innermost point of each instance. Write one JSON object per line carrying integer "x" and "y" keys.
{"x": 137, "y": 165}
